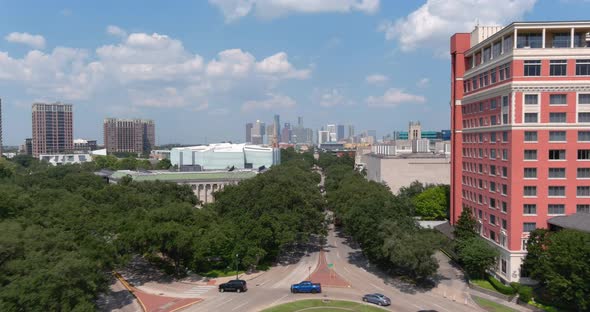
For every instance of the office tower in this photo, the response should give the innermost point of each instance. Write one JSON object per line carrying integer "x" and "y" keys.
{"x": 339, "y": 132}
{"x": 286, "y": 133}
{"x": 351, "y": 132}
{"x": 129, "y": 135}
{"x": 1, "y": 128}
{"x": 331, "y": 133}
{"x": 270, "y": 129}
{"x": 323, "y": 137}
{"x": 300, "y": 122}
{"x": 249, "y": 127}
{"x": 52, "y": 128}
{"x": 520, "y": 130}
{"x": 277, "y": 129}
{"x": 257, "y": 133}
{"x": 414, "y": 130}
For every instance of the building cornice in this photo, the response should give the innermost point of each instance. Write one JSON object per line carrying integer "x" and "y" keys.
{"x": 529, "y": 86}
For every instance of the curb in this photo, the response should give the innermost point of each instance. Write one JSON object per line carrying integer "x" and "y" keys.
{"x": 129, "y": 288}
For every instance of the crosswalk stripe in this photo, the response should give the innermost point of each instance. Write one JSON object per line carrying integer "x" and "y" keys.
{"x": 199, "y": 289}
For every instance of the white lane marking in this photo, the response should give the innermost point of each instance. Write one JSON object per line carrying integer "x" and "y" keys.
{"x": 227, "y": 301}
{"x": 440, "y": 307}
{"x": 377, "y": 287}
{"x": 347, "y": 270}
{"x": 276, "y": 301}
{"x": 241, "y": 305}
{"x": 338, "y": 255}
{"x": 419, "y": 307}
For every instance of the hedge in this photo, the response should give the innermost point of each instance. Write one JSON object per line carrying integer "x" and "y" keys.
{"x": 500, "y": 287}
{"x": 525, "y": 293}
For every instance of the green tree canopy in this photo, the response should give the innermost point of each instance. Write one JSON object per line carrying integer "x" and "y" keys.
{"x": 432, "y": 203}
{"x": 477, "y": 256}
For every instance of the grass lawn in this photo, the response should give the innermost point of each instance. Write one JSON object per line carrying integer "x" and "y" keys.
{"x": 316, "y": 305}
{"x": 484, "y": 284}
{"x": 491, "y": 306}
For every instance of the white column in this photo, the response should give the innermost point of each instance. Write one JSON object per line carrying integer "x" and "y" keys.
{"x": 572, "y": 38}
{"x": 543, "y": 38}
{"x": 515, "y": 37}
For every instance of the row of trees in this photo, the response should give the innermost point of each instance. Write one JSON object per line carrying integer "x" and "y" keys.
{"x": 128, "y": 163}
{"x": 382, "y": 223}
{"x": 64, "y": 229}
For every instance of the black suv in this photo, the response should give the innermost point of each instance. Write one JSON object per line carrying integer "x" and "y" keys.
{"x": 233, "y": 285}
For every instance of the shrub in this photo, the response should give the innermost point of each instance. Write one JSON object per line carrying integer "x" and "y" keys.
{"x": 525, "y": 293}
{"x": 515, "y": 285}
{"x": 500, "y": 287}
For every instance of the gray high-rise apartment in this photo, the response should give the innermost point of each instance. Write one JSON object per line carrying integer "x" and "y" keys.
{"x": 249, "y": 127}
{"x": 129, "y": 135}
{"x": 52, "y": 128}
{"x": 350, "y": 132}
{"x": 339, "y": 132}
{"x": 277, "y": 129}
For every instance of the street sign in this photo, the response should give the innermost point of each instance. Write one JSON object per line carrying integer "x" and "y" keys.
{"x": 330, "y": 265}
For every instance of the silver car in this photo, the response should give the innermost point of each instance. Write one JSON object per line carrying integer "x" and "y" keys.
{"x": 377, "y": 299}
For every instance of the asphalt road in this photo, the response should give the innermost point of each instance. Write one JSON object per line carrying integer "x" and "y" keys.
{"x": 273, "y": 287}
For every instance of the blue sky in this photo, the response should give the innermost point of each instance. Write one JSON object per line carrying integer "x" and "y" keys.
{"x": 202, "y": 69}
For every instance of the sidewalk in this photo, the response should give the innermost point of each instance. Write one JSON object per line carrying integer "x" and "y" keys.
{"x": 512, "y": 305}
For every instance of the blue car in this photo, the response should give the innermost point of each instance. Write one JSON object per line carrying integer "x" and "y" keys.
{"x": 377, "y": 299}
{"x": 306, "y": 287}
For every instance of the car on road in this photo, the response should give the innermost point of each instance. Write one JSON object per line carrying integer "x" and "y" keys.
{"x": 233, "y": 285}
{"x": 377, "y": 299}
{"x": 306, "y": 287}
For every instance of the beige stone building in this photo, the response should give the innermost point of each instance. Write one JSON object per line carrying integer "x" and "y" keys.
{"x": 403, "y": 169}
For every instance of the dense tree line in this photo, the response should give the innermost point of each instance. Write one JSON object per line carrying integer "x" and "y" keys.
{"x": 382, "y": 223}
{"x": 64, "y": 229}
{"x": 128, "y": 163}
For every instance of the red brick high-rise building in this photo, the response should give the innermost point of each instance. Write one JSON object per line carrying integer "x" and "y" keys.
{"x": 129, "y": 135}
{"x": 52, "y": 129}
{"x": 520, "y": 119}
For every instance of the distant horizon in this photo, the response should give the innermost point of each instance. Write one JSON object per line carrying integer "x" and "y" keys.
{"x": 206, "y": 68}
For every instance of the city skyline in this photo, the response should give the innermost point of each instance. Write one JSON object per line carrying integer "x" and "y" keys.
{"x": 146, "y": 66}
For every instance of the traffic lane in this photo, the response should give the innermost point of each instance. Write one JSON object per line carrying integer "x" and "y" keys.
{"x": 340, "y": 256}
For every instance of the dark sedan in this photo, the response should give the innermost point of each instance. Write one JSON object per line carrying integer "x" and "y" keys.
{"x": 377, "y": 299}
{"x": 233, "y": 285}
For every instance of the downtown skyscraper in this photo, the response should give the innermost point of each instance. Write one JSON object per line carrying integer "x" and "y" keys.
{"x": 52, "y": 128}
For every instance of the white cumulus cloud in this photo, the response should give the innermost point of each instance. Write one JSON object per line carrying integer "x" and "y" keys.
{"x": 394, "y": 97}
{"x": 278, "y": 65}
{"x": 235, "y": 9}
{"x": 432, "y": 24}
{"x": 151, "y": 70}
{"x": 35, "y": 41}
{"x": 116, "y": 31}
{"x": 376, "y": 79}
{"x": 273, "y": 102}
